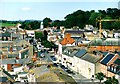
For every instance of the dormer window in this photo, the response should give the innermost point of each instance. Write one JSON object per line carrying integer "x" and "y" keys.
{"x": 114, "y": 69}
{"x": 69, "y": 52}
{"x": 109, "y": 67}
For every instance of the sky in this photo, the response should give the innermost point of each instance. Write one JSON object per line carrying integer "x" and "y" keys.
{"x": 56, "y": 10}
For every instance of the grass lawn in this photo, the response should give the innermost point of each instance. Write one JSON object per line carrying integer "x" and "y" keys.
{"x": 7, "y": 24}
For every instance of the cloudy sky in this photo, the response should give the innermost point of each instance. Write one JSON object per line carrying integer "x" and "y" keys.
{"x": 39, "y": 9}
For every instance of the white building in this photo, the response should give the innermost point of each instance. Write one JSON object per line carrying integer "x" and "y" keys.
{"x": 41, "y": 25}
{"x": 30, "y": 33}
{"x": 80, "y": 61}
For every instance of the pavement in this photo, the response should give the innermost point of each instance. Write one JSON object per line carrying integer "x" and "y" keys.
{"x": 77, "y": 77}
{"x": 81, "y": 79}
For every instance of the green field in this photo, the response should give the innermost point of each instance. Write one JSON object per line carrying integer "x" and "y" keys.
{"x": 6, "y": 24}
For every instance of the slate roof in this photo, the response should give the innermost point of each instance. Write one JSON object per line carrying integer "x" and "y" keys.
{"x": 74, "y": 31}
{"x": 112, "y": 41}
{"x": 63, "y": 48}
{"x": 16, "y": 35}
{"x": 13, "y": 61}
{"x": 3, "y": 79}
{"x": 17, "y": 48}
{"x": 118, "y": 53}
{"x": 12, "y": 55}
{"x": 70, "y": 51}
{"x": 91, "y": 58}
{"x": 107, "y": 58}
{"x": 80, "y": 53}
{"x": 5, "y": 34}
{"x": 105, "y": 53}
{"x": 73, "y": 53}
{"x": 7, "y": 61}
{"x": 78, "y": 39}
{"x": 23, "y": 61}
{"x": 96, "y": 42}
{"x": 117, "y": 61}
{"x": 105, "y": 42}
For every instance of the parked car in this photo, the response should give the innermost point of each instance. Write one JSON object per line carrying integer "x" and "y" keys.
{"x": 62, "y": 66}
{"x": 69, "y": 71}
{"x": 53, "y": 58}
{"x": 55, "y": 65}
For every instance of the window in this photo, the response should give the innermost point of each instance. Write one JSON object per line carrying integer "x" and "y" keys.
{"x": 114, "y": 69}
{"x": 108, "y": 67}
{"x": 69, "y": 52}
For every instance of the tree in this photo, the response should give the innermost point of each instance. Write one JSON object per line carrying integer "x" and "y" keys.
{"x": 112, "y": 80}
{"x": 47, "y": 44}
{"x": 45, "y": 35}
{"x": 93, "y": 17}
{"x": 100, "y": 76}
{"x": 70, "y": 21}
{"x": 77, "y": 18}
{"x": 38, "y": 35}
{"x": 102, "y": 12}
{"x": 56, "y": 23}
{"x": 107, "y": 25}
{"x": 116, "y": 25}
{"x": 34, "y": 25}
{"x": 30, "y": 25}
{"x": 113, "y": 12}
{"x": 46, "y": 22}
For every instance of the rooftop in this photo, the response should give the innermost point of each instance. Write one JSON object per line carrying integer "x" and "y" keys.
{"x": 91, "y": 58}
{"x": 81, "y": 52}
{"x": 3, "y": 79}
{"x": 108, "y": 41}
{"x": 14, "y": 61}
{"x": 67, "y": 40}
{"x": 117, "y": 61}
{"x": 107, "y": 58}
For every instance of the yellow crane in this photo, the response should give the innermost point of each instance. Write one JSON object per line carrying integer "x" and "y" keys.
{"x": 104, "y": 20}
